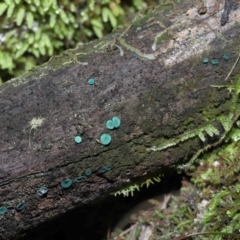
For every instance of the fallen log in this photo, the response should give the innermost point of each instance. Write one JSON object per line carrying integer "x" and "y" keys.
{"x": 166, "y": 85}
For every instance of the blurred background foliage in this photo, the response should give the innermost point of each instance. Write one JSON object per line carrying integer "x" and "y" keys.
{"x": 34, "y": 30}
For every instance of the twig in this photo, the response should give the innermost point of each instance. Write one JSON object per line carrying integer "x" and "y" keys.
{"x": 234, "y": 65}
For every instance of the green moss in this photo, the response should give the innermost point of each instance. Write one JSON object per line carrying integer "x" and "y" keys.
{"x": 214, "y": 209}
{"x": 129, "y": 191}
{"x": 163, "y": 37}
{"x": 218, "y": 176}
{"x": 57, "y": 26}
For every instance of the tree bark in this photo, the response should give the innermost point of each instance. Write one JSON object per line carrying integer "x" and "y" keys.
{"x": 151, "y": 75}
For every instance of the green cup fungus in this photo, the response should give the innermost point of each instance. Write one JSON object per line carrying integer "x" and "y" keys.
{"x": 91, "y": 81}
{"x": 105, "y": 168}
{"x": 116, "y": 122}
{"x": 78, "y": 139}
{"x": 79, "y": 179}
{"x": 20, "y": 206}
{"x": 66, "y": 183}
{"x": 105, "y": 139}
{"x": 88, "y": 172}
{"x": 234, "y": 6}
{"x": 205, "y": 60}
{"x": 214, "y": 61}
{"x": 109, "y": 124}
{"x": 226, "y": 56}
{"x": 42, "y": 191}
{"x": 3, "y": 210}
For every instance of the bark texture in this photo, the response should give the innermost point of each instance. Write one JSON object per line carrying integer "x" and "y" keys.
{"x": 151, "y": 75}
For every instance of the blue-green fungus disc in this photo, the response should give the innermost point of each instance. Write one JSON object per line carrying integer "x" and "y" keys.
{"x": 91, "y": 81}
{"x": 42, "y": 191}
{"x": 3, "y": 210}
{"x": 79, "y": 179}
{"x": 88, "y": 172}
{"x": 205, "y": 60}
{"x": 226, "y": 56}
{"x": 235, "y": 6}
{"x": 105, "y": 168}
{"x": 105, "y": 139}
{"x": 109, "y": 124}
{"x": 78, "y": 139}
{"x": 66, "y": 183}
{"x": 21, "y": 206}
{"x": 214, "y": 61}
{"x": 116, "y": 122}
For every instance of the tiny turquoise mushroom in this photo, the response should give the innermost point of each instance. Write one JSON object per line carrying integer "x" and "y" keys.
{"x": 91, "y": 81}
{"x": 66, "y": 183}
{"x": 105, "y": 139}
{"x": 3, "y": 210}
{"x": 78, "y": 139}
{"x": 79, "y": 179}
{"x": 226, "y": 56}
{"x": 116, "y": 122}
{"x": 214, "y": 61}
{"x": 105, "y": 168}
{"x": 109, "y": 124}
{"x": 205, "y": 60}
{"x": 21, "y": 206}
{"x": 42, "y": 191}
{"x": 88, "y": 172}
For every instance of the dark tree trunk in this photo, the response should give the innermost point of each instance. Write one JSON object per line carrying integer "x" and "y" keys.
{"x": 151, "y": 75}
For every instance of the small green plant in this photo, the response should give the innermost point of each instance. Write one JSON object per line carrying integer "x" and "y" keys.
{"x": 129, "y": 191}
{"x": 34, "y": 30}
{"x": 209, "y": 208}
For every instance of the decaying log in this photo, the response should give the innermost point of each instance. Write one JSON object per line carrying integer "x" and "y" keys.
{"x": 151, "y": 75}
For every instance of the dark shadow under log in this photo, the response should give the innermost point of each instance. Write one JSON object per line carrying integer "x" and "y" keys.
{"x": 151, "y": 75}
